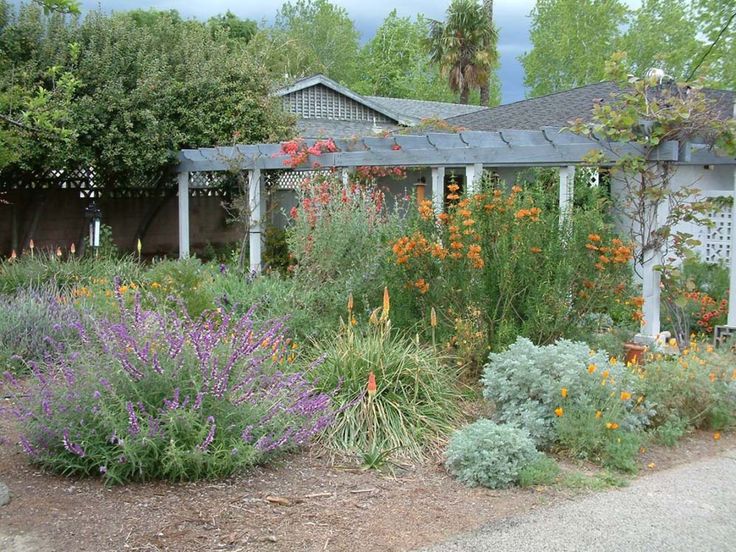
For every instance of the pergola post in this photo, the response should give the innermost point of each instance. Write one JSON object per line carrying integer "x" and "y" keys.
{"x": 732, "y": 262}
{"x": 567, "y": 188}
{"x": 345, "y": 178}
{"x": 651, "y": 292}
{"x": 257, "y": 212}
{"x": 473, "y": 175}
{"x": 438, "y": 189}
{"x": 183, "y": 180}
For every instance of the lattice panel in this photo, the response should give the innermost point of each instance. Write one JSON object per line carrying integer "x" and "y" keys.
{"x": 320, "y": 102}
{"x": 716, "y": 240}
{"x": 290, "y": 180}
{"x": 208, "y": 180}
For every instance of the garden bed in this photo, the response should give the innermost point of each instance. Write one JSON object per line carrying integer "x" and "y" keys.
{"x": 304, "y": 502}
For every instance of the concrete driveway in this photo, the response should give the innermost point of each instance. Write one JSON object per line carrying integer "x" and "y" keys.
{"x": 690, "y": 508}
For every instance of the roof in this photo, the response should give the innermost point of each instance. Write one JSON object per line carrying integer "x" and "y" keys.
{"x": 424, "y": 109}
{"x": 560, "y": 108}
{"x": 315, "y": 80}
{"x": 395, "y": 112}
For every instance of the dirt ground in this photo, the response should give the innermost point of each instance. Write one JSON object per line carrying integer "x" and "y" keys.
{"x": 303, "y": 503}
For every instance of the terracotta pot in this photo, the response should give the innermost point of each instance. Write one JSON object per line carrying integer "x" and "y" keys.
{"x": 634, "y": 353}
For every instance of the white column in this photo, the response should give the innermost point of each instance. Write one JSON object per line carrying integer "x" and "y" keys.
{"x": 257, "y": 212}
{"x": 438, "y": 189}
{"x": 651, "y": 293}
{"x": 567, "y": 188}
{"x": 183, "y": 180}
{"x": 344, "y": 177}
{"x": 473, "y": 176}
{"x": 732, "y": 263}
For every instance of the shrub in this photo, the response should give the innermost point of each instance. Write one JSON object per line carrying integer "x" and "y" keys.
{"x": 34, "y": 323}
{"x": 488, "y": 454}
{"x": 542, "y": 471}
{"x": 505, "y": 254}
{"x": 696, "y": 389}
{"x": 415, "y": 404}
{"x": 533, "y": 386}
{"x": 164, "y": 396}
{"x": 186, "y": 281}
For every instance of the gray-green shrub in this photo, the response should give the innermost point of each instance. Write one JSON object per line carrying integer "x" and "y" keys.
{"x": 489, "y": 454}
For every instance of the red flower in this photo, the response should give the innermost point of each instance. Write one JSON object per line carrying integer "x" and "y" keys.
{"x": 371, "y": 384}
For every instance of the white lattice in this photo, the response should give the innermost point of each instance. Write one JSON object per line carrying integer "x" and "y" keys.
{"x": 716, "y": 239}
{"x": 592, "y": 176}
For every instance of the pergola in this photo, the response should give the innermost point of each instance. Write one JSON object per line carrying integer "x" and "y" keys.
{"x": 473, "y": 150}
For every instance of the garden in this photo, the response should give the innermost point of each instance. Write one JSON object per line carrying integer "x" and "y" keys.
{"x": 385, "y": 350}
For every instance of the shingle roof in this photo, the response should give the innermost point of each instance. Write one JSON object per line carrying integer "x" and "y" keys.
{"x": 424, "y": 109}
{"x": 558, "y": 109}
{"x": 323, "y": 128}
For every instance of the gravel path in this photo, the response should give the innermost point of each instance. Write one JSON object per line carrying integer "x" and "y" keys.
{"x": 691, "y": 508}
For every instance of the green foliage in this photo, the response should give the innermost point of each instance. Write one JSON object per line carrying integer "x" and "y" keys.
{"x": 276, "y": 250}
{"x": 557, "y": 390}
{"x": 719, "y": 67}
{"x": 503, "y": 259}
{"x": 239, "y": 30}
{"x": 464, "y": 48}
{"x": 571, "y": 41}
{"x": 319, "y": 37}
{"x": 542, "y": 471}
{"x": 670, "y": 432}
{"x": 696, "y": 390}
{"x": 66, "y": 273}
{"x": 488, "y": 454}
{"x": 145, "y": 84}
{"x": 415, "y": 405}
{"x": 186, "y": 282}
{"x": 394, "y": 63}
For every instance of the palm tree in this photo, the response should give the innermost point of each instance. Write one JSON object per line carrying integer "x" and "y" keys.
{"x": 464, "y": 46}
{"x": 485, "y": 93}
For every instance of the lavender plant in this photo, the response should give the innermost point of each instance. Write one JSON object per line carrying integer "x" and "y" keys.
{"x": 32, "y": 324}
{"x": 160, "y": 395}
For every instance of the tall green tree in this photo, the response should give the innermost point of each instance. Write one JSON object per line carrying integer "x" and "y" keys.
{"x": 241, "y": 30}
{"x": 395, "y": 63}
{"x": 315, "y": 36}
{"x": 464, "y": 46}
{"x": 571, "y": 41}
{"x": 662, "y": 34}
{"x": 719, "y": 63}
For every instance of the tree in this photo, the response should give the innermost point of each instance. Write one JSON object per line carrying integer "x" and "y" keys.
{"x": 662, "y": 34}
{"x": 241, "y": 30}
{"x": 320, "y": 36}
{"x": 571, "y": 41}
{"x": 485, "y": 89}
{"x": 395, "y": 63}
{"x": 717, "y": 23}
{"x": 464, "y": 46}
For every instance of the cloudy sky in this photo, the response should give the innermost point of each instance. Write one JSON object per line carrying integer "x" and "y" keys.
{"x": 512, "y": 17}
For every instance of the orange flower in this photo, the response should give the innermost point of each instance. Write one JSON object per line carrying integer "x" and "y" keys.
{"x": 456, "y": 245}
{"x": 594, "y": 237}
{"x": 717, "y": 436}
{"x": 535, "y": 250}
{"x": 592, "y": 368}
{"x": 605, "y": 374}
{"x": 516, "y": 189}
{"x": 443, "y": 217}
{"x": 563, "y": 392}
{"x": 371, "y": 388}
{"x": 421, "y": 285}
{"x": 625, "y": 395}
{"x": 453, "y": 187}
{"x": 559, "y": 412}
{"x": 612, "y": 425}
{"x": 598, "y": 414}
{"x": 712, "y": 377}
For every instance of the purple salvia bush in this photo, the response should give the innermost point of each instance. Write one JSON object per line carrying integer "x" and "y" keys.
{"x": 177, "y": 398}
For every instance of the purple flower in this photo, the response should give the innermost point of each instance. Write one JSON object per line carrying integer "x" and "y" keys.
{"x": 210, "y": 434}
{"x": 133, "y": 427}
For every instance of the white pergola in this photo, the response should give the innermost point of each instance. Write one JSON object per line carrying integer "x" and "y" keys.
{"x": 473, "y": 150}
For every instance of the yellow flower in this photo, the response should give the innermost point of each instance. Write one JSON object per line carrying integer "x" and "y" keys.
{"x": 559, "y": 411}
{"x": 625, "y": 395}
{"x": 598, "y": 414}
{"x": 717, "y": 436}
{"x": 605, "y": 374}
{"x": 673, "y": 342}
{"x": 614, "y": 361}
{"x": 592, "y": 368}
{"x": 563, "y": 392}
{"x": 611, "y": 425}
{"x": 651, "y": 465}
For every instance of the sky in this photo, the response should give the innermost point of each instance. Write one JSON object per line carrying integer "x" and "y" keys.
{"x": 511, "y": 16}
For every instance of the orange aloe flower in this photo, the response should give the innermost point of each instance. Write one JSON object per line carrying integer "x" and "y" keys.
{"x": 559, "y": 412}
{"x": 371, "y": 388}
